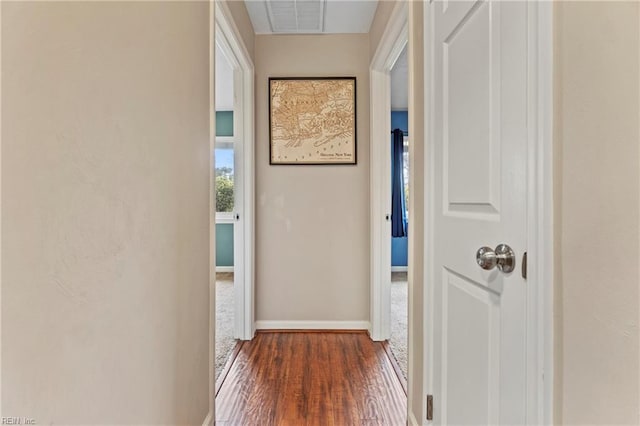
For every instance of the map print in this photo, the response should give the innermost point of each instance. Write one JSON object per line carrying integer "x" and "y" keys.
{"x": 313, "y": 121}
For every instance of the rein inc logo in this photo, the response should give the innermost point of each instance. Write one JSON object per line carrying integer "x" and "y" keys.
{"x": 17, "y": 421}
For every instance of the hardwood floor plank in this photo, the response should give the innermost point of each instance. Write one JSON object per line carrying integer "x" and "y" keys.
{"x": 294, "y": 378}
{"x": 228, "y": 365}
{"x": 396, "y": 367}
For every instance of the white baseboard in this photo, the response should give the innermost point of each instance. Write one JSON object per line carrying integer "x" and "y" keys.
{"x": 412, "y": 419}
{"x": 224, "y": 268}
{"x": 208, "y": 421}
{"x": 399, "y": 269}
{"x": 312, "y": 325}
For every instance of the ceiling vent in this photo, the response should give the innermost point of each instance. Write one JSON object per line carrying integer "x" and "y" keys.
{"x": 296, "y": 16}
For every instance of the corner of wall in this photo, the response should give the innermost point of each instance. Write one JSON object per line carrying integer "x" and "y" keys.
{"x": 557, "y": 219}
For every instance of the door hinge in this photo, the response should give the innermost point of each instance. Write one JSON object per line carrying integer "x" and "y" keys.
{"x": 524, "y": 265}
{"x": 429, "y": 407}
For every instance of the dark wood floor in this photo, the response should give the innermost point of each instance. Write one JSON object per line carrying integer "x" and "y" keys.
{"x": 294, "y": 378}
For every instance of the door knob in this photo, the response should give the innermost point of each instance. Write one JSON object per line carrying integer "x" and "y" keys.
{"x": 503, "y": 257}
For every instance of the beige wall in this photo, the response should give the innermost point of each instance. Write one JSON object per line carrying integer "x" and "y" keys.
{"x": 597, "y": 201}
{"x": 243, "y": 22}
{"x": 105, "y": 189}
{"x": 312, "y": 222}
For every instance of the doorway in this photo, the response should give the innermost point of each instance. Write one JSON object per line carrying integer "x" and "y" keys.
{"x": 426, "y": 322}
{"x": 228, "y": 199}
{"x": 233, "y": 183}
{"x": 400, "y": 224}
{"x": 393, "y": 42}
{"x": 383, "y": 288}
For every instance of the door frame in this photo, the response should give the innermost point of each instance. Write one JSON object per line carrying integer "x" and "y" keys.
{"x": 540, "y": 237}
{"x": 209, "y": 420}
{"x": 394, "y": 39}
{"x": 540, "y": 232}
{"x": 223, "y": 26}
{"x": 0, "y": 222}
{"x": 230, "y": 41}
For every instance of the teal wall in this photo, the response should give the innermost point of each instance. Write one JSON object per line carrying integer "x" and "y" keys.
{"x": 224, "y": 231}
{"x": 224, "y": 123}
{"x": 224, "y": 244}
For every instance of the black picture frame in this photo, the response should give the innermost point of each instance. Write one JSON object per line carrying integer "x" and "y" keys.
{"x": 307, "y": 111}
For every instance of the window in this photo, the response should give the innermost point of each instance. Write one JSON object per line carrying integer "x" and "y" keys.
{"x": 224, "y": 163}
{"x": 224, "y": 176}
{"x": 405, "y": 172}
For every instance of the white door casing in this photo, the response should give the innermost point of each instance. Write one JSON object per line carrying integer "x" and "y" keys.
{"x": 209, "y": 420}
{"x": 480, "y": 108}
{"x": 393, "y": 40}
{"x": 230, "y": 41}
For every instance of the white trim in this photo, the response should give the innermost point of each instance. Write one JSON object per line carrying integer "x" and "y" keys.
{"x": 399, "y": 269}
{"x": 0, "y": 217}
{"x": 411, "y": 419}
{"x": 391, "y": 44}
{"x": 380, "y": 256}
{"x": 212, "y": 213}
{"x": 224, "y": 268}
{"x": 223, "y": 140}
{"x": 312, "y": 325}
{"x": 429, "y": 213}
{"x": 540, "y": 217}
{"x": 208, "y": 421}
{"x": 225, "y": 218}
{"x": 244, "y": 256}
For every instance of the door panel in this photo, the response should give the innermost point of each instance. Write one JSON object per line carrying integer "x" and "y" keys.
{"x": 471, "y": 321}
{"x": 470, "y": 100}
{"x": 479, "y": 109}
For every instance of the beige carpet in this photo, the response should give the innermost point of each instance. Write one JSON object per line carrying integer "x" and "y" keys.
{"x": 224, "y": 320}
{"x": 399, "y": 314}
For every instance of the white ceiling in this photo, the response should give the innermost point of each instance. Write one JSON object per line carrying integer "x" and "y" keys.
{"x": 311, "y": 16}
{"x": 400, "y": 83}
{"x": 326, "y": 16}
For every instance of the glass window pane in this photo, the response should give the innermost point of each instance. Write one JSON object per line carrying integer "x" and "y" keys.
{"x": 224, "y": 179}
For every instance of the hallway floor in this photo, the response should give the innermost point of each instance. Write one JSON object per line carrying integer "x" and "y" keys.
{"x": 399, "y": 319}
{"x": 311, "y": 378}
{"x": 225, "y": 343}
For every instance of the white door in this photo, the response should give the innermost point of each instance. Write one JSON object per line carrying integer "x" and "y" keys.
{"x": 479, "y": 108}
{"x": 242, "y": 283}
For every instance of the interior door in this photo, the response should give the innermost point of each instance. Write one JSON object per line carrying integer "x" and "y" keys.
{"x": 480, "y": 195}
{"x": 242, "y": 328}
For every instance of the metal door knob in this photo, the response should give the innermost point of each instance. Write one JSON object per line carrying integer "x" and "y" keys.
{"x": 503, "y": 257}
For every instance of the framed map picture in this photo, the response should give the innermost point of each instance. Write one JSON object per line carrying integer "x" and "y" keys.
{"x": 312, "y": 120}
